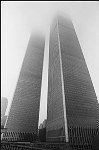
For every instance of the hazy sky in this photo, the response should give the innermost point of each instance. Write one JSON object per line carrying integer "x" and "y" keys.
{"x": 19, "y": 19}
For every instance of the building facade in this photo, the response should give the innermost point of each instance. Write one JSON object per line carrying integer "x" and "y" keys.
{"x": 22, "y": 121}
{"x": 98, "y": 115}
{"x": 72, "y": 100}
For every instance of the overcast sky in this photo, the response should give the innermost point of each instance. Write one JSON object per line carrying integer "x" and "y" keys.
{"x": 19, "y": 19}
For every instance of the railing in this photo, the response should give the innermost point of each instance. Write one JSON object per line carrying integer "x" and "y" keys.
{"x": 30, "y": 146}
{"x": 10, "y": 146}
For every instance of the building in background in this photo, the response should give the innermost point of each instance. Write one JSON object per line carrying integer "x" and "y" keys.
{"x": 43, "y": 124}
{"x": 22, "y": 121}
{"x": 4, "y": 103}
{"x": 72, "y": 102}
{"x": 42, "y": 131}
{"x": 3, "y": 120}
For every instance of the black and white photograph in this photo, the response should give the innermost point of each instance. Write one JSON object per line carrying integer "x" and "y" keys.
{"x": 49, "y": 75}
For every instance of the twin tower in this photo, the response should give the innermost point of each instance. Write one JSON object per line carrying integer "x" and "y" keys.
{"x": 72, "y": 103}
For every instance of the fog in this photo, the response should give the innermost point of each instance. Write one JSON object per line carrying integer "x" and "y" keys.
{"x": 19, "y": 19}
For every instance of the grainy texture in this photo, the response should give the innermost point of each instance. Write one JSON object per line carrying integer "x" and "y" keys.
{"x": 80, "y": 97}
{"x": 22, "y": 121}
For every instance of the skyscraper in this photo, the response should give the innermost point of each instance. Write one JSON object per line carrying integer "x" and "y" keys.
{"x": 3, "y": 120}
{"x": 4, "y": 103}
{"x": 71, "y": 97}
{"x": 22, "y": 122}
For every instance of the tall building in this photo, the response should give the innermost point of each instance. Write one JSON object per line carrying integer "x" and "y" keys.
{"x": 4, "y": 103}
{"x": 22, "y": 121}
{"x": 3, "y": 120}
{"x": 72, "y": 102}
{"x": 43, "y": 124}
